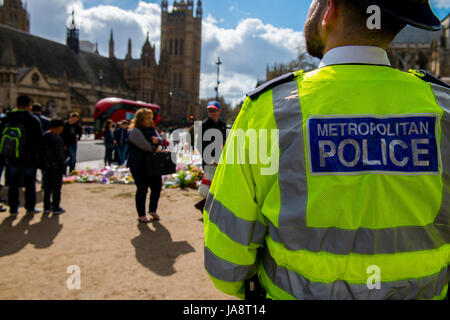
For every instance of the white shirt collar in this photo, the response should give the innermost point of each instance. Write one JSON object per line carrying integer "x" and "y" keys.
{"x": 355, "y": 54}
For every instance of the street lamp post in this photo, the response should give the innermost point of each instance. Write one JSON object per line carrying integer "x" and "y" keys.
{"x": 218, "y": 63}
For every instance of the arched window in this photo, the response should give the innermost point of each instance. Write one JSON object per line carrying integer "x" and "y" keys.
{"x": 423, "y": 61}
{"x": 180, "y": 80}
{"x": 171, "y": 47}
{"x": 35, "y": 78}
{"x": 181, "y": 47}
{"x": 174, "y": 84}
{"x": 176, "y": 47}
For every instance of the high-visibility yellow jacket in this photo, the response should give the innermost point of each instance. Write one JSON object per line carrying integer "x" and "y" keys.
{"x": 360, "y": 205}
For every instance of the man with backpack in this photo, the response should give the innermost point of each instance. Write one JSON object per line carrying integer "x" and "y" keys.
{"x": 21, "y": 137}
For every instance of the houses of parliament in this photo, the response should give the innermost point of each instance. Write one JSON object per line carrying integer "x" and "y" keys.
{"x": 68, "y": 77}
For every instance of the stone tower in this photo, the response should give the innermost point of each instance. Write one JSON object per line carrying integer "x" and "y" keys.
{"x": 14, "y": 14}
{"x": 73, "y": 35}
{"x": 181, "y": 38}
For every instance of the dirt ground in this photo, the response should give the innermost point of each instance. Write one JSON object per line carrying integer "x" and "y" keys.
{"x": 118, "y": 257}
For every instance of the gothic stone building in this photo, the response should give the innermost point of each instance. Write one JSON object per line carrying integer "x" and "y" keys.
{"x": 63, "y": 78}
{"x": 419, "y": 49}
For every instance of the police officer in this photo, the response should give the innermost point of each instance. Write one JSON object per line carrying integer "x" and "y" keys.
{"x": 360, "y": 205}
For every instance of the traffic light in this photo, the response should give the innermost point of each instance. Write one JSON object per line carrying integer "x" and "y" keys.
{"x": 192, "y": 117}
{"x": 184, "y": 120}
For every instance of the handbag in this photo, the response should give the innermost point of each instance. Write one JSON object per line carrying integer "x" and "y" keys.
{"x": 159, "y": 163}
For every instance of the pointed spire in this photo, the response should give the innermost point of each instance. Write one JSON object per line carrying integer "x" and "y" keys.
{"x": 129, "y": 49}
{"x": 199, "y": 9}
{"x": 73, "y": 25}
{"x": 96, "y": 48}
{"x": 147, "y": 44}
{"x": 164, "y": 5}
{"x": 111, "y": 45}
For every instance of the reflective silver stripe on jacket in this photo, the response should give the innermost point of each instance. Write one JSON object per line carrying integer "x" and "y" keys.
{"x": 443, "y": 99}
{"x": 239, "y": 230}
{"x": 292, "y": 173}
{"x": 362, "y": 241}
{"x": 304, "y": 289}
{"x": 293, "y": 231}
{"x": 227, "y": 271}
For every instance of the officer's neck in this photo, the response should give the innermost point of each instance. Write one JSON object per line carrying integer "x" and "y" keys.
{"x": 352, "y": 43}
{"x": 339, "y": 39}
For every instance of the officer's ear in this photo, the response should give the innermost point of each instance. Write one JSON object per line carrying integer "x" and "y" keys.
{"x": 330, "y": 15}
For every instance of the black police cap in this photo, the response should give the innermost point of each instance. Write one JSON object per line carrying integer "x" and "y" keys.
{"x": 417, "y": 13}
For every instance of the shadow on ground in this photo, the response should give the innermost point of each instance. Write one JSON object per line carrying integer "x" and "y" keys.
{"x": 156, "y": 250}
{"x": 14, "y": 238}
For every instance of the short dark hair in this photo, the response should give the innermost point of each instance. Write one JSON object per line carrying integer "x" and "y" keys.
{"x": 36, "y": 108}
{"x": 23, "y": 101}
{"x": 56, "y": 122}
{"x": 355, "y": 20}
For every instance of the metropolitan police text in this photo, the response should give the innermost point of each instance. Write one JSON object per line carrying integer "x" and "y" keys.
{"x": 385, "y": 144}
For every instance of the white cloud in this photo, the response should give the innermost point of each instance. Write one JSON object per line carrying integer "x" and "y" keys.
{"x": 245, "y": 50}
{"x": 441, "y": 3}
{"x": 50, "y": 17}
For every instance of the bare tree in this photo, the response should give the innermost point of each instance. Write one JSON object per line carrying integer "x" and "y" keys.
{"x": 303, "y": 62}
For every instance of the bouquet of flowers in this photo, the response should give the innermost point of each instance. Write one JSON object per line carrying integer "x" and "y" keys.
{"x": 186, "y": 177}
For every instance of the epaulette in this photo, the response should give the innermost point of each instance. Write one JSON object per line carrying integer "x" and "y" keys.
{"x": 270, "y": 85}
{"x": 428, "y": 77}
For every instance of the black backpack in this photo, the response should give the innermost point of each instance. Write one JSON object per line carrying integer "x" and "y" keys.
{"x": 12, "y": 140}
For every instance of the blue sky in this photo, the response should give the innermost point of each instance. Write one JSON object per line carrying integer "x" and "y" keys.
{"x": 281, "y": 13}
{"x": 248, "y": 35}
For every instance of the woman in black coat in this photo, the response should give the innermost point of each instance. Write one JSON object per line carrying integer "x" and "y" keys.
{"x": 109, "y": 142}
{"x": 143, "y": 138}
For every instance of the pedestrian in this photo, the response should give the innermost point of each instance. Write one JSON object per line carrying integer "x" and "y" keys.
{"x": 143, "y": 138}
{"x": 210, "y": 161}
{"x": 54, "y": 165}
{"x": 357, "y": 203}
{"x": 36, "y": 109}
{"x": 21, "y": 140}
{"x": 165, "y": 139}
{"x": 2, "y": 162}
{"x": 110, "y": 142}
{"x": 71, "y": 135}
{"x": 121, "y": 137}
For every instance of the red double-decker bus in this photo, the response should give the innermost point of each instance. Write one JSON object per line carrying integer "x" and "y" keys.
{"x": 118, "y": 109}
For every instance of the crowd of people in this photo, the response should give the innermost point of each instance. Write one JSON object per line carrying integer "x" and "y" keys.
{"x": 30, "y": 141}
{"x": 116, "y": 140}
{"x": 128, "y": 146}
